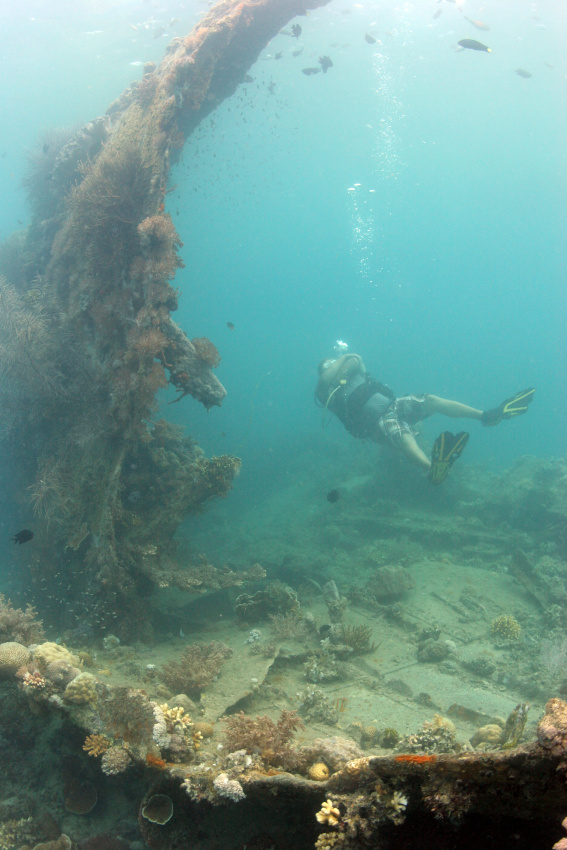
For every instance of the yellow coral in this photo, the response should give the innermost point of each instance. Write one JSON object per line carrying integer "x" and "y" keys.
{"x": 96, "y": 745}
{"x": 319, "y": 772}
{"x": 328, "y": 814}
{"x": 81, "y": 689}
{"x": 489, "y": 734}
{"x": 175, "y": 716}
{"x": 47, "y": 652}
{"x": 505, "y": 627}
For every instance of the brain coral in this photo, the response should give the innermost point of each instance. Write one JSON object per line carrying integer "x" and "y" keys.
{"x": 319, "y": 772}
{"x": 48, "y": 652}
{"x": 81, "y": 690}
{"x": 12, "y": 657}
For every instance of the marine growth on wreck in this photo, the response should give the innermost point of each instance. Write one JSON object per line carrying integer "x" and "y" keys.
{"x": 350, "y": 659}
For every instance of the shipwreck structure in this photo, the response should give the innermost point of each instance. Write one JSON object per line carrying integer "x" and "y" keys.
{"x": 87, "y": 338}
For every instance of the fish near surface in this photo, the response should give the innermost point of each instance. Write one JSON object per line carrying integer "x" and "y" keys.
{"x": 521, "y": 72}
{"x": 471, "y": 44}
{"x": 480, "y": 25}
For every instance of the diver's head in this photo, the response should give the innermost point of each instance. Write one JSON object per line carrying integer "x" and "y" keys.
{"x": 324, "y": 365}
{"x": 340, "y": 347}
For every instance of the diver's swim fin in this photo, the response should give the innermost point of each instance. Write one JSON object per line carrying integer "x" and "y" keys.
{"x": 514, "y": 406}
{"x": 447, "y": 448}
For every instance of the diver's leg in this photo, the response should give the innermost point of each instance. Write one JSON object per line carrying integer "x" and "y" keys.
{"x": 454, "y": 409}
{"x": 407, "y": 444}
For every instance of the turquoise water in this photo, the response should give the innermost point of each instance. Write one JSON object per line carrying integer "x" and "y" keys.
{"x": 409, "y": 201}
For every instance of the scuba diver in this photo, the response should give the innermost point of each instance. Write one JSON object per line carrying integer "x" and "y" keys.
{"x": 369, "y": 410}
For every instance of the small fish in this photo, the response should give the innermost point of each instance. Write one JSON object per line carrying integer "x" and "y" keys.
{"x": 159, "y": 32}
{"x": 45, "y": 148}
{"x": 522, "y": 73}
{"x": 230, "y": 326}
{"x": 325, "y": 62}
{"x": 369, "y": 38}
{"x": 296, "y": 31}
{"x": 23, "y": 536}
{"x": 133, "y": 27}
{"x": 471, "y": 44}
{"x": 278, "y": 55}
{"x": 480, "y": 25}
{"x": 298, "y": 52}
{"x": 310, "y": 71}
{"x": 333, "y": 496}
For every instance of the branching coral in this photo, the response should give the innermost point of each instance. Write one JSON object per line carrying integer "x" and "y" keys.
{"x": 261, "y": 735}
{"x": 96, "y": 745}
{"x": 199, "y": 665}
{"x": 18, "y": 625}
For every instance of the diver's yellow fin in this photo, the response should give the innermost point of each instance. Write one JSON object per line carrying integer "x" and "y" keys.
{"x": 447, "y": 448}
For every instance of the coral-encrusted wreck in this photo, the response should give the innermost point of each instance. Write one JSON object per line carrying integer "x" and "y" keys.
{"x": 87, "y": 338}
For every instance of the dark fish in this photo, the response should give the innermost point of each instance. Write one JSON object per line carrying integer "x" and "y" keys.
{"x": 325, "y": 62}
{"x": 369, "y": 38}
{"x": 278, "y": 55}
{"x": 310, "y": 71}
{"x": 296, "y": 31}
{"x": 23, "y": 536}
{"x": 298, "y": 52}
{"x": 480, "y": 25}
{"x": 333, "y": 496}
{"x": 230, "y": 326}
{"x": 522, "y": 73}
{"x": 471, "y": 44}
{"x": 45, "y": 148}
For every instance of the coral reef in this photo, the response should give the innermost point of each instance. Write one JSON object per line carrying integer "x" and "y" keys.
{"x": 81, "y": 690}
{"x": 335, "y": 752}
{"x": 12, "y": 656}
{"x": 231, "y": 789}
{"x": 198, "y": 666}
{"x": 505, "y": 628}
{"x": 319, "y": 772}
{"x": 388, "y": 583}
{"x": 261, "y": 735}
{"x": 18, "y": 625}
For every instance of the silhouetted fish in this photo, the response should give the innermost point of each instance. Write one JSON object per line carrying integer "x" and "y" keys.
{"x": 471, "y": 44}
{"x": 333, "y": 496}
{"x": 369, "y": 38}
{"x": 23, "y": 536}
{"x": 325, "y": 62}
{"x": 522, "y": 73}
{"x": 310, "y": 71}
{"x": 230, "y": 326}
{"x": 296, "y": 31}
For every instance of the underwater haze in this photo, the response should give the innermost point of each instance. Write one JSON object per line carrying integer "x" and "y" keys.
{"x": 410, "y": 200}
